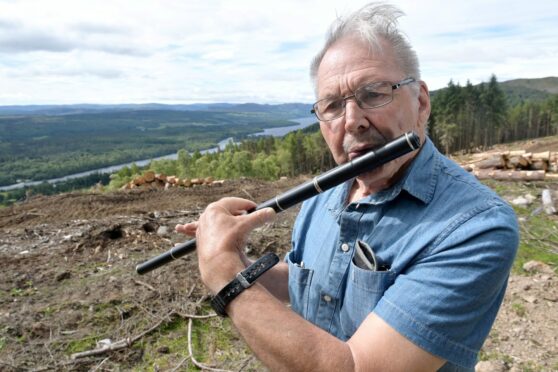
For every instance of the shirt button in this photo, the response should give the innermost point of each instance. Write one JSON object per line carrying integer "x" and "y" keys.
{"x": 327, "y": 298}
{"x": 344, "y": 247}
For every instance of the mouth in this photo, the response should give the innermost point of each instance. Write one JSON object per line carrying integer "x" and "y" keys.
{"x": 358, "y": 151}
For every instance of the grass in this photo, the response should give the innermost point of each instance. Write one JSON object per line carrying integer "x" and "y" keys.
{"x": 530, "y": 366}
{"x": 83, "y": 344}
{"x": 486, "y": 356}
{"x": 214, "y": 343}
{"x": 519, "y": 309}
{"x": 538, "y": 231}
{"x": 539, "y": 240}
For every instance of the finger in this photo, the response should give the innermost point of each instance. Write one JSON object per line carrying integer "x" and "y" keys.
{"x": 236, "y": 206}
{"x": 188, "y": 228}
{"x": 258, "y": 218}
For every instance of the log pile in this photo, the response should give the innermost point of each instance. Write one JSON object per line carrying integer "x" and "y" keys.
{"x": 514, "y": 165}
{"x": 152, "y": 180}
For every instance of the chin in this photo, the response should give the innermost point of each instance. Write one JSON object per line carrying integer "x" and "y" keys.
{"x": 378, "y": 179}
{"x": 373, "y": 176}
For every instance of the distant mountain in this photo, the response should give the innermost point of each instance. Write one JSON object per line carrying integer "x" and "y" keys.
{"x": 516, "y": 90}
{"x": 289, "y": 109}
{"x": 519, "y": 90}
{"x": 530, "y": 89}
{"x": 547, "y": 84}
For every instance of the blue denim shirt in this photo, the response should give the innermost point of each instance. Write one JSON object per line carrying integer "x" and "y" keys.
{"x": 448, "y": 243}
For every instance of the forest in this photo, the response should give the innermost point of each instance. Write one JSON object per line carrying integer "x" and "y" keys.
{"x": 471, "y": 118}
{"x": 40, "y": 146}
{"x": 464, "y": 118}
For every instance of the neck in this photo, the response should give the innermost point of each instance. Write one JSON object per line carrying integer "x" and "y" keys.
{"x": 361, "y": 189}
{"x": 363, "y": 186}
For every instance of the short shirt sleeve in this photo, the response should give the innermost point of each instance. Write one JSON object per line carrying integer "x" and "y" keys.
{"x": 447, "y": 300}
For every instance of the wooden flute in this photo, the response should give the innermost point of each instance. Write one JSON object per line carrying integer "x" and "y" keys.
{"x": 400, "y": 146}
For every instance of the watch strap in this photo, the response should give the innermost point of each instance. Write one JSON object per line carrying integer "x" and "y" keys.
{"x": 243, "y": 279}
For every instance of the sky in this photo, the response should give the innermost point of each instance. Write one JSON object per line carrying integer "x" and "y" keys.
{"x": 192, "y": 51}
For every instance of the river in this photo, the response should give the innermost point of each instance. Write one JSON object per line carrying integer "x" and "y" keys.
{"x": 275, "y": 132}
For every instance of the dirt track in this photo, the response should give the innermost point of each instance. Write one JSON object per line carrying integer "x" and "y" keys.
{"x": 67, "y": 281}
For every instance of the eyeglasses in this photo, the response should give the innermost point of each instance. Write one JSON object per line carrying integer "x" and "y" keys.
{"x": 368, "y": 96}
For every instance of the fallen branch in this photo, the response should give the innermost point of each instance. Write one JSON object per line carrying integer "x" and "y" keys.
{"x": 179, "y": 364}
{"x": 139, "y": 282}
{"x": 129, "y": 341}
{"x": 194, "y": 361}
{"x": 100, "y": 364}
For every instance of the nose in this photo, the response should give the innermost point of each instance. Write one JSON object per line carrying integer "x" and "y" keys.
{"x": 355, "y": 120}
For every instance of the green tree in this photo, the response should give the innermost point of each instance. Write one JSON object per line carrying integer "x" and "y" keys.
{"x": 183, "y": 163}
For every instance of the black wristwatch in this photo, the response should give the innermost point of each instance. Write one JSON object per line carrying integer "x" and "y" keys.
{"x": 243, "y": 280}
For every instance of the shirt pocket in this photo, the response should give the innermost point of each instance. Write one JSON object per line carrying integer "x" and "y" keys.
{"x": 300, "y": 280}
{"x": 364, "y": 290}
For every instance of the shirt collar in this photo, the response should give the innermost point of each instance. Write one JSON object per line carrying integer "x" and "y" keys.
{"x": 419, "y": 181}
{"x": 422, "y": 176}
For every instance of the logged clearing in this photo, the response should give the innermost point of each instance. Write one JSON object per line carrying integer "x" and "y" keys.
{"x": 68, "y": 285}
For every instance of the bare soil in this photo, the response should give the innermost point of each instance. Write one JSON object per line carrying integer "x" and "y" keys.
{"x": 67, "y": 281}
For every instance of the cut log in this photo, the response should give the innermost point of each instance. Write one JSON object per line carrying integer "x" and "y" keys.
{"x": 496, "y": 161}
{"x": 149, "y": 176}
{"x": 548, "y": 203}
{"x": 541, "y": 156}
{"x": 516, "y": 153}
{"x": 138, "y": 181}
{"x": 539, "y": 164}
{"x": 506, "y": 175}
{"x": 517, "y": 162}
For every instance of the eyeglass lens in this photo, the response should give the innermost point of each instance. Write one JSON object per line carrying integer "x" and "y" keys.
{"x": 367, "y": 96}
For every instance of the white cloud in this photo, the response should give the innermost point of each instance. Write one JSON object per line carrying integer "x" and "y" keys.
{"x": 244, "y": 50}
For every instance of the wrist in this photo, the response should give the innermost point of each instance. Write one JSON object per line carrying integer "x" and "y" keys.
{"x": 217, "y": 277}
{"x": 242, "y": 281}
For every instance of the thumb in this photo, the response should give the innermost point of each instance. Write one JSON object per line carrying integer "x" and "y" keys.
{"x": 259, "y": 218}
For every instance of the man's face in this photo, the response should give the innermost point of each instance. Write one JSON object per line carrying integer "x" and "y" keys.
{"x": 348, "y": 65}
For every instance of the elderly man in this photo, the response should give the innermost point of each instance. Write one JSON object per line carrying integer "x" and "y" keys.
{"x": 438, "y": 244}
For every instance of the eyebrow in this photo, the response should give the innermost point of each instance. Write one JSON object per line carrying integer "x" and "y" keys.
{"x": 360, "y": 84}
{"x": 330, "y": 97}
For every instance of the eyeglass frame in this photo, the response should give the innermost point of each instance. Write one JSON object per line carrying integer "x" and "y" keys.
{"x": 394, "y": 86}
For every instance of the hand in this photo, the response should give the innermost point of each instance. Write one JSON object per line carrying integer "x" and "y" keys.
{"x": 221, "y": 233}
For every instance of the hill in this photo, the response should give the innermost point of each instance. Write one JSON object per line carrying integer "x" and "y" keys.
{"x": 68, "y": 283}
{"x": 547, "y": 84}
{"x": 520, "y": 90}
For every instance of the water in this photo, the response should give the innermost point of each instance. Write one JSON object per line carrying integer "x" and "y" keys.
{"x": 275, "y": 132}
{"x": 281, "y": 131}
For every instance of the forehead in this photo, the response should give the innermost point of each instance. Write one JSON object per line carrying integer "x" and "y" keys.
{"x": 350, "y": 62}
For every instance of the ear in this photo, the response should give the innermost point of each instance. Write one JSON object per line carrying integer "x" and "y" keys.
{"x": 424, "y": 105}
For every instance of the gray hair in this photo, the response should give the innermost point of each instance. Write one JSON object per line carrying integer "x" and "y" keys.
{"x": 372, "y": 23}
